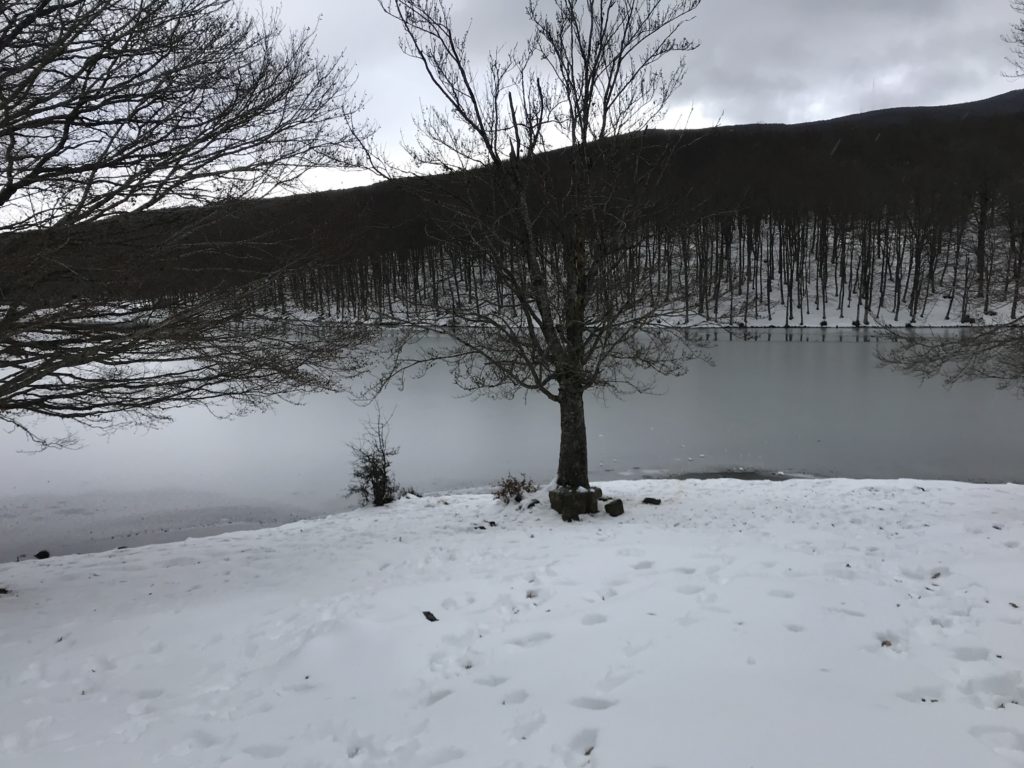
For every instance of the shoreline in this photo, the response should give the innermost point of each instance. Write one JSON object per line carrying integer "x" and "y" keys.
{"x": 183, "y": 518}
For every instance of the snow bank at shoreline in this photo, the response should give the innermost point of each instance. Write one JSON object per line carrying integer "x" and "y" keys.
{"x": 808, "y": 623}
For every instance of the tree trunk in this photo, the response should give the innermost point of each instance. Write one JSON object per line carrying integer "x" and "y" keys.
{"x": 982, "y": 252}
{"x": 572, "y": 453}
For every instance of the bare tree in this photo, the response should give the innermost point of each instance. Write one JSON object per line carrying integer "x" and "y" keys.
{"x": 1015, "y": 39}
{"x": 553, "y": 244}
{"x": 110, "y": 108}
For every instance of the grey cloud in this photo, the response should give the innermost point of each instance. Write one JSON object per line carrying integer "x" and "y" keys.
{"x": 796, "y": 59}
{"x": 759, "y": 60}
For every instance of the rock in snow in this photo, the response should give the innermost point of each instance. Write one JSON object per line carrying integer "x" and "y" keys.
{"x": 614, "y": 507}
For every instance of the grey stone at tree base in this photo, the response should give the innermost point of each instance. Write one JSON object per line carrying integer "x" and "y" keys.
{"x": 614, "y": 507}
{"x": 570, "y": 503}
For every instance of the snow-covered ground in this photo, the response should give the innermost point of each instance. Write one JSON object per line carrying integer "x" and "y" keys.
{"x": 812, "y": 623}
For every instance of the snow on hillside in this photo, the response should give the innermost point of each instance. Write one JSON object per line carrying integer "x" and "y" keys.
{"x": 833, "y": 623}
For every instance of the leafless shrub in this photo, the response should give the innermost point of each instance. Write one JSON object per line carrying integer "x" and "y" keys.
{"x": 511, "y": 488}
{"x": 371, "y": 467}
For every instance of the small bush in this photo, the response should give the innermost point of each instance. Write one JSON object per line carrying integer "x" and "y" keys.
{"x": 512, "y": 488}
{"x": 371, "y": 465}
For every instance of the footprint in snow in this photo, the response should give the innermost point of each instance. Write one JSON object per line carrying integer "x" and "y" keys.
{"x": 265, "y": 751}
{"x": 448, "y": 663}
{"x": 593, "y": 618}
{"x": 436, "y": 696}
{"x": 782, "y": 593}
{"x": 581, "y": 747}
{"x": 849, "y": 574}
{"x": 643, "y": 565}
{"x": 926, "y": 574}
{"x": 1008, "y": 742}
{"x": 443, "y": 756}
{"x": 593, "y": 703}
{"x": 848, "y": 612}
{"x": 795, "y": 628}
{"x": 633, "y": 649}
{"x": 197, "y": 739}
{"x": 527, "y": 725}
{"x": 491, "y": 682}
{"x": 599, "y": 595}
{"x": 929, "y": 694}
{"x": 968, "y": 653}
{"x": 996, "y": 691}
{"x": 514, "y": 697}
{"x": 531, "y": 640}
{"x": 690, "y": 589}
{"x": 615, "y": 678}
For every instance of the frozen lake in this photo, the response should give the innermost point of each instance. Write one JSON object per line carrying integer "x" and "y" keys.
{"x": 802, "y": 402}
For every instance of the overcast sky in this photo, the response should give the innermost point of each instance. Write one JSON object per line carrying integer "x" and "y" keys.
{"x": 759, "y": 60}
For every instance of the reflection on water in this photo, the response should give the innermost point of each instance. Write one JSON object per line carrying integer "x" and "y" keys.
{"x": 799, "y": 400}
{"x": 836, "y": 335}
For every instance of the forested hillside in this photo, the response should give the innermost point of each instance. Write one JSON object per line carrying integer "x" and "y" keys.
{"x": 916, "y": 214}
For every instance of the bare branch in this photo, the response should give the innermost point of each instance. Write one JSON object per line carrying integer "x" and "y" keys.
{"x": 116, "y": 107}
{"x": 1015, "y": 39}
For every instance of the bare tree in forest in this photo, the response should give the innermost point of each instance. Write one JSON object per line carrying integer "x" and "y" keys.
{"x": 115, "y": 107}
{"x": 552, "y": 244}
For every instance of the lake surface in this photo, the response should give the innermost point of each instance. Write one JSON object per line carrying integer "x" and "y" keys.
{"x": 809, "y": 402}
